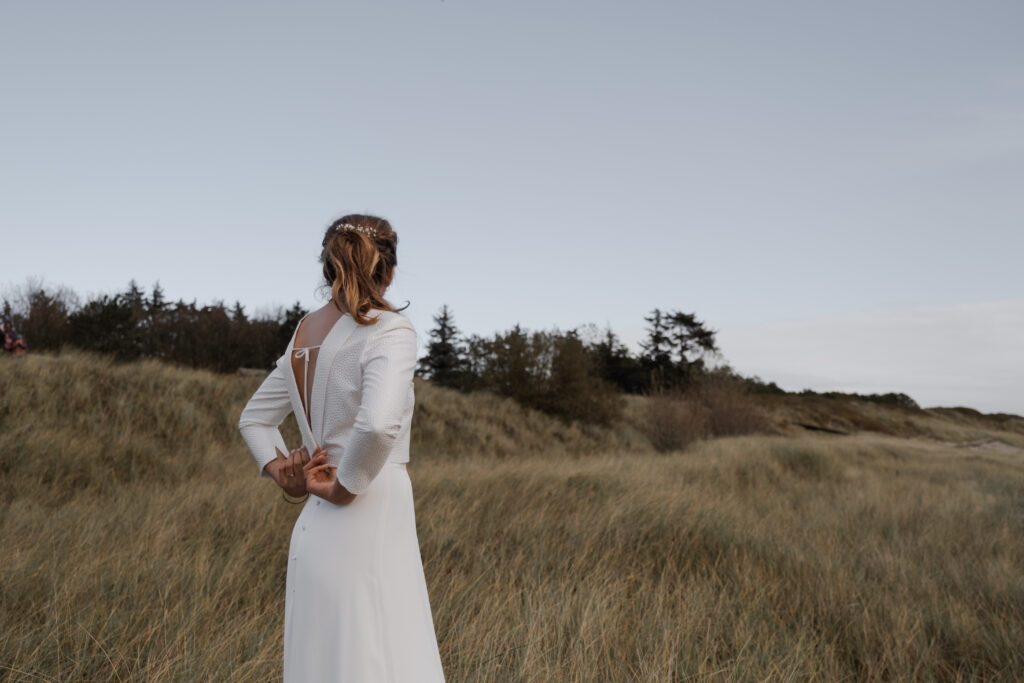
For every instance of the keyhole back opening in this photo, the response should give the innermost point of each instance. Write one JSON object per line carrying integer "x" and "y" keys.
{"x": 304, "y": 364}
{"x": 308, "y": 355}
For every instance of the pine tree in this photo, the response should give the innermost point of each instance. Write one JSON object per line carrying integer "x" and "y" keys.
{"x": 615, "y": 364}
{"x": 445, "y": 361}
{"x": 157, "y": 301}
{"x": 657, "y": 355}
{"x": 155, "y": 330}
{"x": 135, "y": 298}
{"x": 690, "y": 339}
{"x": 657, "y": 347}
{"x": 675, "y": 346}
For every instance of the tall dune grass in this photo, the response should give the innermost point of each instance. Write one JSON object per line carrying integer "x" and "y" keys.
{"x": 139, "y": 544}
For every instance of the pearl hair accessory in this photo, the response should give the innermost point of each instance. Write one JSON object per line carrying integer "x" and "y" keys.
{"x": 372, "y": 232}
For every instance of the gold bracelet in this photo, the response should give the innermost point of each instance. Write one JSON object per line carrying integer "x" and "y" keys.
{"x": 294, "y": 502}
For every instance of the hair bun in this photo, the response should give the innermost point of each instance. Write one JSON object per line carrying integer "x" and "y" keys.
{"x": 358, "y": 271}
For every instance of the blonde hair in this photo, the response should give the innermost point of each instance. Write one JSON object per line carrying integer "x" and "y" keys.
{"x": 358, "y": 254}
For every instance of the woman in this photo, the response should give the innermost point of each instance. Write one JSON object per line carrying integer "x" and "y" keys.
{"x": 13, "y": 341}
{"x": 356, "y": 604}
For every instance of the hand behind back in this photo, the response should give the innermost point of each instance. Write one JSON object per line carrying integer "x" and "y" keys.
{"x": 322, "y": 479}
{"x": 288, "y": 471}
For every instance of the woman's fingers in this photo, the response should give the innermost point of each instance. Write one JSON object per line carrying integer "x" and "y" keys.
{"x": 282, "y": 459}
{"x": 296, "y": 461}
{"x": 317, "y": 459}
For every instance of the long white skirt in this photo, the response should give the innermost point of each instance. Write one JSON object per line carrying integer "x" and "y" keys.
{"x": 356, "y": 606}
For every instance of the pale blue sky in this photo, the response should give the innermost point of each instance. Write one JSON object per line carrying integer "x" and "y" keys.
{"x": 547, "y": 163}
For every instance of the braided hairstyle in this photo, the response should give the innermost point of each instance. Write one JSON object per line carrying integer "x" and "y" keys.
{"x": 358, "y": 254}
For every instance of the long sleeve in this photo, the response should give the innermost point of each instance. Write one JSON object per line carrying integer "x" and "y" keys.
{"x": 389, "y": 361}
{"x": 262, "y": 416}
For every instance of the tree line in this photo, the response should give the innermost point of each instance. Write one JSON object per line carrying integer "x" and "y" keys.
{"x": 581, "y": 373}
{"x": 575, "y": 373}
{"x": 132, "y": 324}
{"x": 578, "y": 374}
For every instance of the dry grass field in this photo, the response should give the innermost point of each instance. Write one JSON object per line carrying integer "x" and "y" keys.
{"x": 138, "y": 542}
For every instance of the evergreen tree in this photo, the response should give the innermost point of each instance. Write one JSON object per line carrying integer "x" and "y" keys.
{"x": 155, "y": 335}
{"x": 691, "y": 341}
{"x": 657, "y": 355}
{"x": 157, "y": 301}
{"x": 445, "y": 361}
{"x": 675, "y": 346}
{"x": 135, "y": 298}
{"x": 615, "y": 364}
{"x": 657, "y": 346}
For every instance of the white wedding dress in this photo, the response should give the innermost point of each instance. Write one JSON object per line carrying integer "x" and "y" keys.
{"x": 356, "y": 602}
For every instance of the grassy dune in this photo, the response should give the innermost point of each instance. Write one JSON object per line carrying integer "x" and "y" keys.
{"x": 139, "y": 544}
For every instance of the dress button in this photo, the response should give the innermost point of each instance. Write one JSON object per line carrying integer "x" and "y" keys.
{"x": 303, "y": 527}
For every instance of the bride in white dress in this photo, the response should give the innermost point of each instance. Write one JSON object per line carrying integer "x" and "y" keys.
{"x": 356, "y": 603}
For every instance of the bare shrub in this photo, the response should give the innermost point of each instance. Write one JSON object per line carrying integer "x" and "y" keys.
{"x": 673, "y": 420}
{"x": 731, "y": 409}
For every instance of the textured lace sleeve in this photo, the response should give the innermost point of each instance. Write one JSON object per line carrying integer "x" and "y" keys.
{"x": 261, "y": 417}
{"x": 389, "y": 360}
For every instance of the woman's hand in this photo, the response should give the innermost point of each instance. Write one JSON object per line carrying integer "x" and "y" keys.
{"x": 322, "y": 479}
{"x": 288, "y": 472}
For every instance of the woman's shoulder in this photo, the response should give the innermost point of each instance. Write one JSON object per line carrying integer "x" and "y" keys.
{"x": 392, "y": 333}
{"x": 391, "y": 320}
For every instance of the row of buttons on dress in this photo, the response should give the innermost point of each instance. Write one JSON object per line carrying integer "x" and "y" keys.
{"x": 295, "y": 558}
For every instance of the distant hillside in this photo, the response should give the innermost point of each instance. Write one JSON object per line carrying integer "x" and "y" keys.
{"x": 135, "y": 412}
{"x": 792, "y": 413}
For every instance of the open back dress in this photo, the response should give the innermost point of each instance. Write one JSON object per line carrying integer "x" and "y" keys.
{"x": 356, "y": 602}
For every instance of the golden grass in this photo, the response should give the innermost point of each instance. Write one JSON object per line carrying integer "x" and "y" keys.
{"x": 139, "y": 543}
